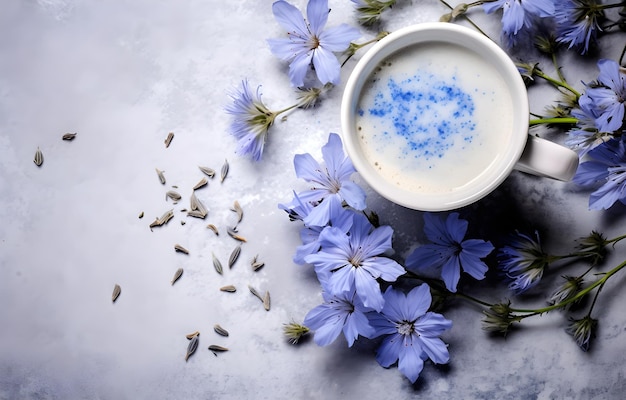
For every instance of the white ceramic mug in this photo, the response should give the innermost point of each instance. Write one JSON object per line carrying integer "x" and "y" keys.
{"x": 435, "y": 117}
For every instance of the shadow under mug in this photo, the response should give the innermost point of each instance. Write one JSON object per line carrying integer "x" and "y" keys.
{"x": 435, "y": 116}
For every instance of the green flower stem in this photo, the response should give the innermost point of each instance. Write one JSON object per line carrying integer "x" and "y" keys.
{"x": 556, "y": 67}
{"x": 555, "y": 120}
{"x": 599, "y": 283}
{"x": 354, "y": 47}
{"x": 557, "y": 83}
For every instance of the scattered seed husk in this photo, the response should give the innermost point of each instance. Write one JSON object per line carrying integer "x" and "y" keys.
{"x": 193, "y": 345}
{"x": 177, "y": 275}
{"x": 266, "y": 301}
{"x": 160, "y": 175}
{"x": 69, "y": 136}
{"x": 38, "y": 157}
{"x": 172, "y": 194}
{"x": 224, "y": 172}
{"x": 257, "y": 265}
{"x": 200, "y": 184}
{"x": 237, "y": 209}
{"x": 217, "y": 264}
{"x": 198, "y": 209}
{"x": 168, "y": 139}
{"x": 219, "y": 330}
{"x": 214, "y": 229}
{"x": 210, "y": 172}
{"x": 168, "y": 215}
{"x": 192, "y": 335}
{"x": 255, "y": 293}
{"x": 234, "y": 256}
{"x": 117, "y": 290}
{"x": 215, "y": 347}
{"x": 180, "y": 249}
{"x": 228, "y": 288}
{"x": 182, "y": 222}
{"x": 232, "y": 232}
{"x": 141, "y": 215}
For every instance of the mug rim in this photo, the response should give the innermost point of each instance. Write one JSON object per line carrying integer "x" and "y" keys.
{"x": 424, "y": 33}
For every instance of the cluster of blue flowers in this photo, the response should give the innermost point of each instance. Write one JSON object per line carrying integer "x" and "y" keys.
{"x": 351, "y": 258}
{"x": 600, "y": 134}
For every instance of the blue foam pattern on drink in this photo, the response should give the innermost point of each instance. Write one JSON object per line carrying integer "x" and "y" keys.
{"x": 430, "y": 114}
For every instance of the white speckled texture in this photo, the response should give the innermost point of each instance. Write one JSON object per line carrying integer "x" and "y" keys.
{"x": 122, "y": 74}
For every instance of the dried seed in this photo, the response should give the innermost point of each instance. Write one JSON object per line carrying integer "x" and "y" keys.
{"x": 255, "y": 293}
{"x": 117, "y": 290}
{"x": 198, "y": 209}
{"x": 141, "y": 215}
{"x": 215, "y": 347}
{"x": 177, "y": 275}
{"x": 219, "y": 330}
{"x": 266, "y": 301}
{"x": 38, "y": 157}
{"x": 237, "y": 209}
{"x": 208, "y": 171}
{"x": 228, "y": 288}
{"x": 163, "y": 220}
{"x": 233, "y": 234}
{"x": 257, "y": 265}
{"x": 160, "y": 175}
{"x": 225, "y": 168}
{"x": 217, "y": 264}
{"x": 213, "y": 228}
{"x": 172, "y": 194}
{"x": 69, "y": 136}
{"x": 168, "y": 139}
{"x": 182, "y": 222}
{"x": 180, "y": 249}
{"x": 234, "y": 256}
{"x": 193, "y": 345}
{"x": 192, "y": 335}
{"x": 200, "y": 184}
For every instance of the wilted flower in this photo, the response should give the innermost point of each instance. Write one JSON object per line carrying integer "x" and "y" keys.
{"x": 499, "y": 318}
{"x": 412, "y": 332}
{"x": 523, "y": 262}
{"x": 582, "y": 330}
{"x": 566, "y": 291}
{"x": 308, "y": 43}
{"x": 450, "y": 251}
{"x": 370, "y": 11}
{"x": 354, "y": 261}
{"x": 252, "y": 120}
{"x": 329, "y": 180}
{"x": 594, "y": 244}
{"x": 295, "y": 332}
{"x": 607, "y": 167}
{"x": 578, "y": 22}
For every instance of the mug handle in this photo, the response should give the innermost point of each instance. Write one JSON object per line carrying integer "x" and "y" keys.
{"x": 545, "y": 158}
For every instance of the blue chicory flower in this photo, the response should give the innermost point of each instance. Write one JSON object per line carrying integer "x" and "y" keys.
{"x": 522, "y": 262}
{"x": 607, "y": 167}
{"x": 339, "y": 217}
{"x": 354, "y": 261}
{"x": 251, "y": 121}
{"x": 449, "y": 251}
{"x": 586, "y": 135}
{"x": 412, "y": 332}
{"x": 329, "y": 180}
{"x": 578, "y": 22}
{"x": 309, "y": 43}
{"x": 608, "y": 96}
{"x": 518, "y": 14}
{"x": 339, "y": 312}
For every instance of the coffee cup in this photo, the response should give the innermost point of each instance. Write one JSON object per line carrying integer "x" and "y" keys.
{"x": 435, "y": 117}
